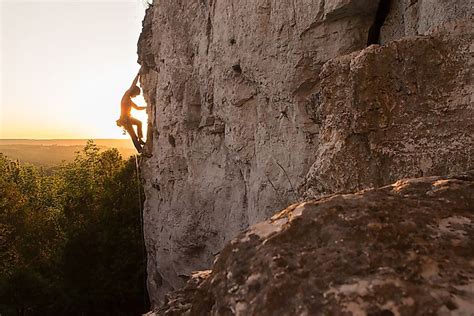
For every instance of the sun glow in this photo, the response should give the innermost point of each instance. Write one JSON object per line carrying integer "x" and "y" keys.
{"x": 65, "y": 66}
{"x": 141, "y": 115}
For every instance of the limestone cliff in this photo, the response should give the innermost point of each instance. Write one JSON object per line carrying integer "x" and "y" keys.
{"x": 255, "y": 104}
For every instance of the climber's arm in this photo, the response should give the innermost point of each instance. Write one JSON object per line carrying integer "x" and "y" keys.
{"x": 136, "y": 107}
{"x": 135, "y": 81}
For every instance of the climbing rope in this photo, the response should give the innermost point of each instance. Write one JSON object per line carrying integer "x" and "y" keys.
{"x": 140, "y": 209}
{"x": 137, "y": 167}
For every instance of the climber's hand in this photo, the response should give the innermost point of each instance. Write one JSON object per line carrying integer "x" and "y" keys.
{"x": 135, "y": 81}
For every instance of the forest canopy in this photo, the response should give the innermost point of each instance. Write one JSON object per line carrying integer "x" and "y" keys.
{"x": 71, "y": 242}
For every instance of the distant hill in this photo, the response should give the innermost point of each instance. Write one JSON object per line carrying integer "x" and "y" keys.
{"x": 52, "y": 152}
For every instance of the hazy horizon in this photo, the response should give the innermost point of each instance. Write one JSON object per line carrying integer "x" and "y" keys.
{"x": 75, "y": 141}
{"x": 51, "y": 152}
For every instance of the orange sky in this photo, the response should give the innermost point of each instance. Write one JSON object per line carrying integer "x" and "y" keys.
{"x": 65, "y": 65}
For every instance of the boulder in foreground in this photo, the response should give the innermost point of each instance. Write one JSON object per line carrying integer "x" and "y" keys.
{"x": 403, "y": 249}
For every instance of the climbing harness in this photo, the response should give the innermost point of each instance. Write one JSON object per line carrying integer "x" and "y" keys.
{"x": 120, "y": 123}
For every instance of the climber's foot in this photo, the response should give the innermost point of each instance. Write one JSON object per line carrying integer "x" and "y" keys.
{"x": 146, "y": 154}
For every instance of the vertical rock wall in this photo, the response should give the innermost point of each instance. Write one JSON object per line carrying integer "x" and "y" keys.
{"x": 395, "y": 111}
{"x": 422, "y": 17}
{"x": 238, "y": 98}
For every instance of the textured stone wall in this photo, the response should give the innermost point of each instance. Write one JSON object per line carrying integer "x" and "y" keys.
{"x": 395, "y": 111}
{"x": 422, "y": 17}
{"x": 241, "y": 96}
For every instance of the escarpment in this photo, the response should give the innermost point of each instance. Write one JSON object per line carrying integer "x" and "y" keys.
{"x": 254, "y": 105}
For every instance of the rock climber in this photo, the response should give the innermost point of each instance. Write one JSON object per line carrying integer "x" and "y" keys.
{"x": 126, "y": 120}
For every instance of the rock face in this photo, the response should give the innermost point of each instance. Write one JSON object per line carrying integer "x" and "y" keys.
{"x": 255, "y": 104}
{"x": 422, "y": 17}
{"x": 404, "y": 249}
{"x": 392, "y": 111}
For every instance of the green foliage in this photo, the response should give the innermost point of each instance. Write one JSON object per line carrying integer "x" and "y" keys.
{"x": 71, "y": 242}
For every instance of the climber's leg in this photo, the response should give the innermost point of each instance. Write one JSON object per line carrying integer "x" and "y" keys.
{"x": 138, "y": 123}
{"x": 129, "y": 128}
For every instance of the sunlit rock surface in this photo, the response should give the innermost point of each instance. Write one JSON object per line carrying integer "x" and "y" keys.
{"x": 403, "y": 249}
{"x": 256, "y": 104}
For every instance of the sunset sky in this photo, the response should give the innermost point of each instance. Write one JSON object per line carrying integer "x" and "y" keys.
{"x": 65, "y": 65}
